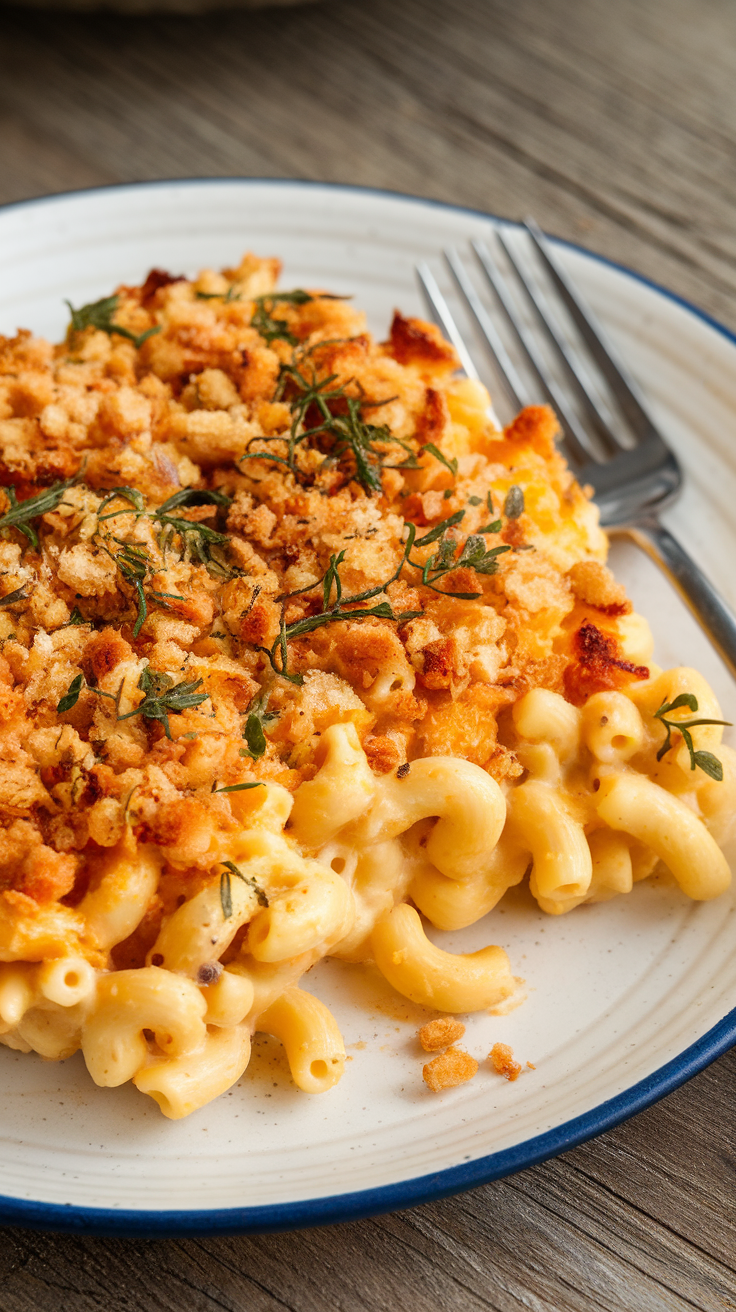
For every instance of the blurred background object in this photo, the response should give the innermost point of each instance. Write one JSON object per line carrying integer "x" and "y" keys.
{"x": 154, "y": 6}
{"x": 614, "y": 122}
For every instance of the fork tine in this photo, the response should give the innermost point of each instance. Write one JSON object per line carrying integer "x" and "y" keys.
{"x": 578, "y": 442}
{"x": 558, "y": 342}
{"x": 507, "y": 372}
{"x": 440, "y": 311}
{"x": 620, "y": 382}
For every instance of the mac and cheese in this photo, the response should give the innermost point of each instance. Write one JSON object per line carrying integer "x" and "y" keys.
{"x": 301, "y": 656}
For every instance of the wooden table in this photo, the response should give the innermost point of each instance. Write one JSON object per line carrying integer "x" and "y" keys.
{"x": 614, "y": 122}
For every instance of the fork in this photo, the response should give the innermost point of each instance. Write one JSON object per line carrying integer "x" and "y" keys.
{"x": 632, "y": 482}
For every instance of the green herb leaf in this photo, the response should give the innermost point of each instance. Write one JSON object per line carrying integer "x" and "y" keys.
{"x": 513, "y": 506}
{"x": 194, "y": 496}
{"x": 710, "y": 764}
{"x": 164, "y": 697}
{"x": 226, "y": 896}
{"x": 99, "y": 314}
{"x": 75, "y": 618}
{"x": 10, "y": 597}
{"x": 270, "y": 328}
{"x": 21, "y": 513}
{"x": 71, "y": 696}
{"x": 227, "y": 901}
{"x": 706, "y": 760}
{"x": 440, "y": 528}
{"x": 684, "y": 699}
{"x": 255, "y": 727}
{"x": 130, "y": 494}
{"x": 226, "y": 297}
{"x": 238, "y": 788}
{"x": 435, "y": 451}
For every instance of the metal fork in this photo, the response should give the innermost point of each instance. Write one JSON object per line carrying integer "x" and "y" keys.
{"x": 632, "y": 482}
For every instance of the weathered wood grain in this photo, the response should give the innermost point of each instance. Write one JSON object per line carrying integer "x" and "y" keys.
{"x": 615, "y": 123}
{"x": 640, "y": 1220}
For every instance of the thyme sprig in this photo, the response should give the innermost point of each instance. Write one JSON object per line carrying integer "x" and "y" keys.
{"x": 226, "y": 896}
{"x": 474, "y": 555}
{"x": 99, "y": 314}
{"x": 164, "y": 697}
{"x": 706, "y": 760}
{"x": 205, "y": 544}
{"x": 72, "y": 694}
{"x": 267, "y": 325}
{"x": 339, "y": 419}
{"x": 133, "y": 560}
{"x": 21, "y": 513}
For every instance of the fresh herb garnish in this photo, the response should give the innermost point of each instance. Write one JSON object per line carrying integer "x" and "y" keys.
{"x": 130, "y": 494}
{"x": 513, "y": 506}
{"x": 238, "y": 788}
{"x": 11, "y": 597}
{"x": 194, "y": 496}
{"x": 226, "y": 897}
{"x": 338, "y": 418}
{"x": 270, "y": 328}
{"x": 71, "y": 696}
{"x": 199, "y": 540}
{"x": 473, "y": 556}
{"x": 99, "y": 314}
{"x": 254, "y": 733}
{"x": 75, "y": 618}
{"x": 435, "y": 451}
{"x": 226, "y": 297}
{"x": 334, "y": 611}
{"x": 21, "y": 513}
{"x": 164, "y": 697}
{"x": 706, "y": 760}
{"x": 204, "y": 544}
{"x": 133, "y": 562}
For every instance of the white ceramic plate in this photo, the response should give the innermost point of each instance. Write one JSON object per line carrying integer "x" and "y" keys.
{"x": 625, "y": 1000}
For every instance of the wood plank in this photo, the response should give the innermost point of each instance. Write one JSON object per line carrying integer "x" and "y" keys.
{"x": 577, "y": 112}
{"x": 639, "y": 1220}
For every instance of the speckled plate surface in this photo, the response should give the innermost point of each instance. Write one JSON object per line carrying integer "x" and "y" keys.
{"x": 624, "y": 1000}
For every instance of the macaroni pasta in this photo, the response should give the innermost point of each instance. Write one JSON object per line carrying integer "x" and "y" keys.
{"x": 301, "y": 656}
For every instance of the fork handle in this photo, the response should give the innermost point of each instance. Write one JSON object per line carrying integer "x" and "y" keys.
{"x": 707, "y": 605}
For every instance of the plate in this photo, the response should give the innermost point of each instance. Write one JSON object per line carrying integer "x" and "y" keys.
{"x": 624, "y": 1001}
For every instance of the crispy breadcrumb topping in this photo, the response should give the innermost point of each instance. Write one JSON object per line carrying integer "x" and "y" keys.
{"x": 231, "y": 518}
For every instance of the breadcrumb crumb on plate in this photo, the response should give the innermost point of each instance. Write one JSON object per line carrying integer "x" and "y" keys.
{"x": 440, "y": 1033}
{"x": 502, "y": 1060}
{"x": 449, "y": 1069}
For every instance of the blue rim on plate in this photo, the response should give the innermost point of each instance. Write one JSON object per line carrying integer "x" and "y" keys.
{"x": 425, "y": 1188}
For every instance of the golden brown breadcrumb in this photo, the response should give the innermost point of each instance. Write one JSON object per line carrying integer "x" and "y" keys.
{"x": 449, "y": 1069}
{"x": 502, "y": 1061}
{"x": 440, "y": 1033}
{"x": 204, "y": 512}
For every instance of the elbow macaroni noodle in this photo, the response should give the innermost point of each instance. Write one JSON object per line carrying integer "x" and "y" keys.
{"x": 344, "y": 876}
{"x": 161, "y": 899}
